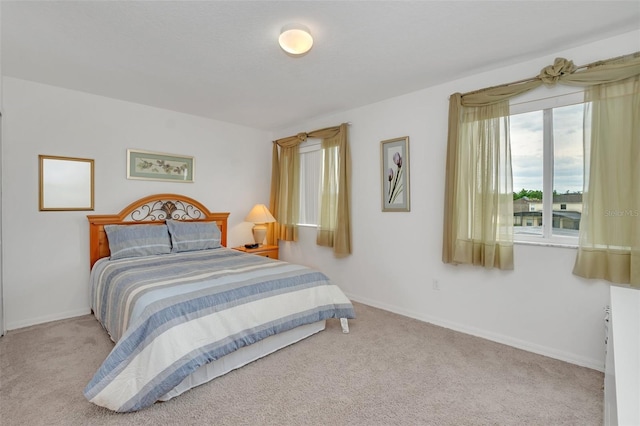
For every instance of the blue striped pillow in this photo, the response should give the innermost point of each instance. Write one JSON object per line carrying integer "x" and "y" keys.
{"x": 137, "y": 240}
{"x": 190, "y": 236}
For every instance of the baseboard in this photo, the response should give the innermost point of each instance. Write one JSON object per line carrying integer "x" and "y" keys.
{"x": 47, "y": 318}
{"x": 571, "y": 358}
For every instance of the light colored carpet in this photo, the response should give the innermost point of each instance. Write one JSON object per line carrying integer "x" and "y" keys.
{"x": 390, "y": 370}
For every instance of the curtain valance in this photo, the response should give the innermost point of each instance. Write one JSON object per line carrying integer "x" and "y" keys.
{"x": 562, "y": 71}
{"x": 325, "y": 133}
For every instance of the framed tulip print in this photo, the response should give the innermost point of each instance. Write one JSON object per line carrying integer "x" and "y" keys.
{"x": 394, "y": 160}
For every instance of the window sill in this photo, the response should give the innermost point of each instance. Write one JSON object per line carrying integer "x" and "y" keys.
{"x": 547, "y": 244}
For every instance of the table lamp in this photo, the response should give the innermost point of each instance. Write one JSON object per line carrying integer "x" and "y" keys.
{"x": 260, "y": 216}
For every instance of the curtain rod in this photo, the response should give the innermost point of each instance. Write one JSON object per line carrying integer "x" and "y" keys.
{"x": 526, "y": 80}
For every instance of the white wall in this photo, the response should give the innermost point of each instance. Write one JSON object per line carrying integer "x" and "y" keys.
{"x": 46, "y": 253}
{"x": 540, "y": 306}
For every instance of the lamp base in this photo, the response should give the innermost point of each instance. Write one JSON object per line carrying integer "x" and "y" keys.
{"x": 259, "y": 233}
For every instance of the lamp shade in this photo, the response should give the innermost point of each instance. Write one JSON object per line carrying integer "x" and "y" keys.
{"x": 260, "y": 214}
{"x": 295, "y": 39}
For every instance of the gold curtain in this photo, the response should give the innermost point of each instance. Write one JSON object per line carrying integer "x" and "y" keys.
{"x": 610, "y": 226}
{"x": 334, "y": 227}
{"x": 562, "y": 71}
{"x": 284, "y": 200}
{"x": 335, "y": 217}
{"x": 483, "y": 219}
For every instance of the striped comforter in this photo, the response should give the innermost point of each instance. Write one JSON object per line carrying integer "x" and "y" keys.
{"x": 172, "y": 313}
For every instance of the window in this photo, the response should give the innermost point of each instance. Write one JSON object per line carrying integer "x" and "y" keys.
{"x": 311, "y": 177}
{"x": 310, "y": 181}
{"x": 547, "y": 167}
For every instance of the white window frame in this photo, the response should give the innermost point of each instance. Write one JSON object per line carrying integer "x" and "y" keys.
{"x": 557, "y": 96}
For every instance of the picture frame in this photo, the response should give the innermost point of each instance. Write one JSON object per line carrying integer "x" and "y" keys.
{"x": 394, "y": 172}
{"x": 149, "y": 165}
{"x": 65, "y": 183}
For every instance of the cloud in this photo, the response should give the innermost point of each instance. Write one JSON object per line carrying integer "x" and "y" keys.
{"x": 527, "y": 149}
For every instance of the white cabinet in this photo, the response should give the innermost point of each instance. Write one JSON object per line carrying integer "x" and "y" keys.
{"x": 622, "y": 369}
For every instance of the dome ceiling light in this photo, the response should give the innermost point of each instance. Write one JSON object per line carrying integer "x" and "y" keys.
{"x": 295, "y": 39}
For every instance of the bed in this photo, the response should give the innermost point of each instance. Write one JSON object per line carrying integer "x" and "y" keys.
{"x": 183, "y": 309}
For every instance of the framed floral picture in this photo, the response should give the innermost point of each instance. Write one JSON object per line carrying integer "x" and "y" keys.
{"x": 394, "y": 165}
{"x": 159, "y": 166}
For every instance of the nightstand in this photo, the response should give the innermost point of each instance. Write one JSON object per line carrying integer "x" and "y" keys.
{"x": 264, "y": 250}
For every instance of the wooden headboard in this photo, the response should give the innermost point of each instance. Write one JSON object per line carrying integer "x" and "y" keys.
{"x": 150, "y": 210}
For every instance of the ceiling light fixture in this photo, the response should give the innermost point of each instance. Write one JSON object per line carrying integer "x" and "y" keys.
{"x": 295, "y": 39}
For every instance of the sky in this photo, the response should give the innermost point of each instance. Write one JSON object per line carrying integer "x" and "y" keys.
{"x": 527, "y": 149}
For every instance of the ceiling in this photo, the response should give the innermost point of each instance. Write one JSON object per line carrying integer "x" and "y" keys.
{"x": 220, "y": 59}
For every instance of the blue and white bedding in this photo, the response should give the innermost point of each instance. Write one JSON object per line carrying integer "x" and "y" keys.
{"x": 170, "y": 314}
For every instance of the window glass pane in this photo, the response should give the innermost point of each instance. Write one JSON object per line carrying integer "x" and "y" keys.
{"x": 567, "y": 169}
{"x": 527, "y": 166}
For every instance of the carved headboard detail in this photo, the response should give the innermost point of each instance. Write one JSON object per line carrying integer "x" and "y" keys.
{"x": 149, "y": 210}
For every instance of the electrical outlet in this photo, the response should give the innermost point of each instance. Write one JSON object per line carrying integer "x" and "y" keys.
{"x": 436, "y": 285}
